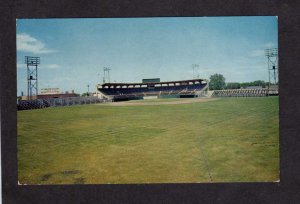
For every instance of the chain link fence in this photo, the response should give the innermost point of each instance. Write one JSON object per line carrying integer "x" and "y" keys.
{"x": 58, "y": 102}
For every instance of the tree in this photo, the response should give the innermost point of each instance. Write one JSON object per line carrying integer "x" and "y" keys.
{"x": 217, "y": 82}
{"x": 259, "y": 83}
{"x": 84, "y": 94}
{"x": 254, "y": 83}
{"x": 233, "y": 85}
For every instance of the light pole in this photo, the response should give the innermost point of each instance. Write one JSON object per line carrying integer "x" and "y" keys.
{"x": 272, "y": 55}
{"x": 195, "y": 69}
{"x": 106, "y": 74}
{"x": 32, "y": 76}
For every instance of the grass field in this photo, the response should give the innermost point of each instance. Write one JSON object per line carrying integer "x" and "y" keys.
{"x": 226, "y": 140}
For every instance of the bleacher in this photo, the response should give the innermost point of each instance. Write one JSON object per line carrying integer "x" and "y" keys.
{"x": 32, "y": 104}
{"x": 57, "y": 102}
{"x": 245, "y": 92}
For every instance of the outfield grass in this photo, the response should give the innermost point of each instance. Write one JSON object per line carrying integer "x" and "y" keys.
{"x": 226, "y": 140}
{"x": 154, "y": 100}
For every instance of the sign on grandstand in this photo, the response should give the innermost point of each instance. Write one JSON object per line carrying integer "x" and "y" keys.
{"x": 151, "y": 80}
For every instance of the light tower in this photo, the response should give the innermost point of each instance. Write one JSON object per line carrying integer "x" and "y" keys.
{"x": 88, "y": 90}
{"x": 106, "y": 77}
{"x": 32, "y": 75}
{"x": 195, "y": 69}
{"x": 272, "y": 56}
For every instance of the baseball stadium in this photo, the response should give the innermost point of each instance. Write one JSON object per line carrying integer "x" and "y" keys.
{"x": 152, "y": 132}
{"x": 155, "y": 120}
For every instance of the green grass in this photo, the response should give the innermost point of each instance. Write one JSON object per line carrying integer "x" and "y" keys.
{"x": 157, "y": 100}
{"x": 226, "y": 140}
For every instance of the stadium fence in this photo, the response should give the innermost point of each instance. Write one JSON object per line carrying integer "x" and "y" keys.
{"x": 58, "y": 102}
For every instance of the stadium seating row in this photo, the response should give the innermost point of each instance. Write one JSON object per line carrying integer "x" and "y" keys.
{"x": 54, "y": 102}
{"x": 240, "y": 93}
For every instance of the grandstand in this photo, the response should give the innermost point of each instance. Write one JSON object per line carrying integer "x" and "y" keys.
{"x": 129, "y": 91}
{"x": 248, "y": 92}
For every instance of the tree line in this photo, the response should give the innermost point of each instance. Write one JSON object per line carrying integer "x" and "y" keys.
{"x": 217, "y": 82}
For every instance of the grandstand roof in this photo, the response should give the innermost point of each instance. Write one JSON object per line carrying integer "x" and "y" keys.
{"x": 165, "y": 82}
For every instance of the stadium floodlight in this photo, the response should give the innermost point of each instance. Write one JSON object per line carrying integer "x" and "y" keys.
{"x": 271, "y": 52}
{"x": 106, "y": 77}
{"x": 195, "y": 69}
{"x": 32, "y": 75}
{"x": 272, "y": 56}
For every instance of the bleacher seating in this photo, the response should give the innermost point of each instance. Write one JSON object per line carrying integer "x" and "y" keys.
{"x": 32, "y": 104}
{"x": 244, "y": 92}
{"x": 56, "y": 102}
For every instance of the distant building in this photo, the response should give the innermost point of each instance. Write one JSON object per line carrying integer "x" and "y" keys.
{"x": 23, "y": 98}
{"x": 253, "y": 87}
{"x": 60, "y": 95}
{"x": 51, "y": 93}
{"x": 46, "y": 91}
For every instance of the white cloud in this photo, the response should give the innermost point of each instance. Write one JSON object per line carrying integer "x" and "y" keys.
{"x": 257, "y": 53}
{"x": 50, "y": 66}
{"x": 21, "y": 66}
{"x": 269, "y": 45}
{"x": 260, "y": 53}
{"x": 57, "y": 80}
{"x": 27, "y": 43}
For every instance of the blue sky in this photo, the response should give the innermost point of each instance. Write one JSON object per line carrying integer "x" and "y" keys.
{"x": 73, "y": 52}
